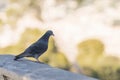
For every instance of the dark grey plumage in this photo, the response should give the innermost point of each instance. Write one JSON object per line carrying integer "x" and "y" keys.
{"x": 36, "y": 49}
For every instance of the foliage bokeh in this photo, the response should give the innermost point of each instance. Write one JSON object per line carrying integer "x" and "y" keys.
{"x": 95, "y": 63}
{"x": 91, "y": 57}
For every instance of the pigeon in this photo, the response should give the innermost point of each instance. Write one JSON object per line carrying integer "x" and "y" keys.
{"x": 38, "y": 48}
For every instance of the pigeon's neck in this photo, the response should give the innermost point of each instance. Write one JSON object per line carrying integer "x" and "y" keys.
{"x": 45, "y": 37}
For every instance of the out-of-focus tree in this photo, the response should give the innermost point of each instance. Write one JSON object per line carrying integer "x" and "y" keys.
{"x": 108, "y": 68}
{"x": 94, "y": 63}
{"x": 89, "y": 51}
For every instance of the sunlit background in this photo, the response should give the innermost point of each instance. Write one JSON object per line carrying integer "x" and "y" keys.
{"x": 87, "y": 33}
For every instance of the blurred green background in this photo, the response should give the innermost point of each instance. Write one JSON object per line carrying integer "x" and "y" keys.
{"x": 91, "y": 59}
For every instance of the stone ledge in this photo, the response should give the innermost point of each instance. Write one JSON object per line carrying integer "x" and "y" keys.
{"x": 28, "y": 70}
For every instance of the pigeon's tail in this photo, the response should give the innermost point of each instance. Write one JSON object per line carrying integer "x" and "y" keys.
{"x": 19, "y": 56}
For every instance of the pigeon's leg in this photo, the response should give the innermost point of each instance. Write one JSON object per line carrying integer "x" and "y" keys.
{"x": 36, "y": 57}
{"x": 37, "y": 60}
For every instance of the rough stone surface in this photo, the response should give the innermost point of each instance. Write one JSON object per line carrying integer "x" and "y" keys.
{"x": 28, "y": 70}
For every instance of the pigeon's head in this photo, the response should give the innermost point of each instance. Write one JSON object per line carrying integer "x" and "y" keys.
{"x": 50, "y": 32}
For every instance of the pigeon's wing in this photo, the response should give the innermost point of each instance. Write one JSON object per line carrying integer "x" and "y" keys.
{"x": 37, "y": 48}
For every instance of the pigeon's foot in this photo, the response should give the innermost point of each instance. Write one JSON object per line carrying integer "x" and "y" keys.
{"x": 39, "y": 62}
{"x": 15, "y": 59}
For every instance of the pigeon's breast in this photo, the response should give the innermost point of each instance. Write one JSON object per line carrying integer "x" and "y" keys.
{"x": 42, "y": 45}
